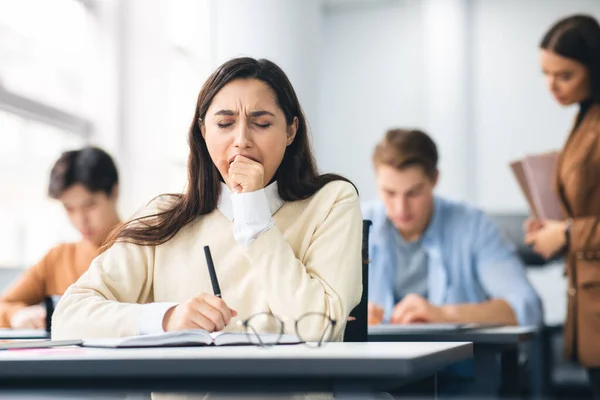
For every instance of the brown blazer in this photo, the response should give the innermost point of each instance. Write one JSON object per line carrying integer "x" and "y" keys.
{"x": 578, "y": 184}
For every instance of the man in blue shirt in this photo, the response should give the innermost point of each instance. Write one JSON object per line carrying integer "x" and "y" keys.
{"x": 432, "y": 259}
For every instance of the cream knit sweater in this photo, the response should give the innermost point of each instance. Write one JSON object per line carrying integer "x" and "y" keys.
{"x": 310, "y": 261}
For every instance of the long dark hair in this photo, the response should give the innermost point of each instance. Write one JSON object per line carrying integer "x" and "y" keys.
{"x": 577, "y": 37}
{"x": 297, "y": 176}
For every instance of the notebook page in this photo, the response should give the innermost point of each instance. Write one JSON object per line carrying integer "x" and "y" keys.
{"x": 237, "y": 338}
{"x": 180, "y": 338}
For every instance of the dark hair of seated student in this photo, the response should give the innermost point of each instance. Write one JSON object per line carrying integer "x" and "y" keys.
{"x": 90, "y": 166}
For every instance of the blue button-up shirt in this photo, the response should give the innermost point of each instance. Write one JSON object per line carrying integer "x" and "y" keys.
{"x": 468, "y": 261}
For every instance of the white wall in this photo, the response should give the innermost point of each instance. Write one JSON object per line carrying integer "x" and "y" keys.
{"x": 285, "y": 32}
{"x": 102, "y": 92}
{"x": 445, "y": 75}
{"x": 143, "y": 69}
{"x": 396, "y": 64}
{"x": 465, "y": 71}
{"x": 370, "y": 81}
{"x": 162, "y": 65}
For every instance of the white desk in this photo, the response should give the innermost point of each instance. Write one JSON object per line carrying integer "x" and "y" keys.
{"x": 488, "y": 344}
{"x": 357, "y": 366}
{"x": 505, "y": 335}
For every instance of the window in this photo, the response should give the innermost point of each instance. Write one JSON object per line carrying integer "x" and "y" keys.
{"x": 43, "y": 74}
{"x": 43, "y": 58}
{"x": 30, "y": 222}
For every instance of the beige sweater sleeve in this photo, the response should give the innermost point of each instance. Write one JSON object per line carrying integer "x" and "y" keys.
{"x": 107, "y": 300}
{"x": 329, "y": 279}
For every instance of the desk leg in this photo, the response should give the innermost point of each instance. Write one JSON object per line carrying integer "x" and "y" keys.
{"x": 486, "y": 371}
{"x": 510, "y": 372}
{"x": 541, "y": 361}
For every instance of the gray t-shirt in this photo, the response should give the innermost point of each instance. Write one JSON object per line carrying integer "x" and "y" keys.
{"x": 411, "y": 270}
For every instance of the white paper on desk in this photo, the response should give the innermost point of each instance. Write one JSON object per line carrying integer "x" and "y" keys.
{"x": 8, "y": 333}
{"x": 425, "y": 328}
{"x": 192, "y": 337}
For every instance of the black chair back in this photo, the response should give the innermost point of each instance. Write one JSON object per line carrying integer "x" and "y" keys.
{"x": 49, "y": 304}
{"x": 356, "y": 329}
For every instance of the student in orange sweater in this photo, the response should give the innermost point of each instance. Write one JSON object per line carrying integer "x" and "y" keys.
{"x": 86, "y": 183}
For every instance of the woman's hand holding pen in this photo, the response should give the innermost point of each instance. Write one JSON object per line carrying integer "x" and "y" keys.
{"x": 204, "y": 311}
{"x": 244, "y": 175}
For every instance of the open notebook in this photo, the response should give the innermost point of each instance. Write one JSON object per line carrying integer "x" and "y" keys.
{"x": 536, "y": 176}
{"x": 194, "y": 337}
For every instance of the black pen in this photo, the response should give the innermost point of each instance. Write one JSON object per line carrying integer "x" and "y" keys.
{"x": 211, "y": 272}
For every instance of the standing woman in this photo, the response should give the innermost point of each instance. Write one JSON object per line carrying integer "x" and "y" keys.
{"x": 570, "y": 59}
{"x": 285, "y": 240}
